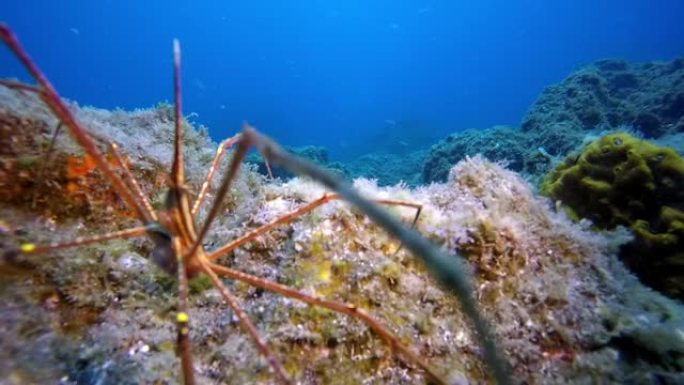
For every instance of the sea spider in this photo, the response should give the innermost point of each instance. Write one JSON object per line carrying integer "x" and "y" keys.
{"x": 178, "y": 238}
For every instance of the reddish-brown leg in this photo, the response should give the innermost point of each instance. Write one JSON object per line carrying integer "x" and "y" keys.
{"x": 220, "y": 151}
{"x": 246, "y": 323}
{"x": 288, "y": 217}
{"x": 132, "y": 182}
{"x": 30, "y": 248}
{"x": 339, "y": 307}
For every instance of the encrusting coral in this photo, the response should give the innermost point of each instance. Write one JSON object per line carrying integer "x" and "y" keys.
{"x": 619, "y": 180}
{"x": 564, "y": 310}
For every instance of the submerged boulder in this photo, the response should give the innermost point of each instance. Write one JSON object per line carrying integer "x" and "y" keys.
{"x": 609, "y": 94}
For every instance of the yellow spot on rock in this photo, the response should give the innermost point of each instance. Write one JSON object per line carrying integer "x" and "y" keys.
{"x": 27, "y": 247}
{"x": 324, "y": 273}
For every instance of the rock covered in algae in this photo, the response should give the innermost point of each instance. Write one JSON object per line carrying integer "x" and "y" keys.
{"x": 622, "y": 180}
{"x": 614, "y": 93}
{"x": 564, "y": 309}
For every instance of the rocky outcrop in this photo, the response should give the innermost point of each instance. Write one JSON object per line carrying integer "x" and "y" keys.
{"x": 609, "y": 94}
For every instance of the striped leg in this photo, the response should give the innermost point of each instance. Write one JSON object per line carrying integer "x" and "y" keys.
{"x": 285, "y": 218}
{"x": 249, "y": 327}
{"x": 220, "y": 151}
{"x": 339, "y": 307}
{"x": 132, "y": 182}
{"x": 31, "y": 248}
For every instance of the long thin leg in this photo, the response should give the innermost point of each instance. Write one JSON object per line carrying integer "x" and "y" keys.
{"x": 292, "y": 215}
{"x": 245, "y": 142}
{"x": 440, "y": 264}
{"x": 46, "y": 158}
{"x": 220, "y": 151}
{"x": 246, "y": 323}
{"x": 417, "y": 206}
{"x": 336, "y": 306}
{"x": 132, "y": 182}
{"x": 51, "y": 146}
{"x": 20, "y": 86}
{"x": 268, "y": 166}
{"x": 396, "y": 202}
{"x": 31, "y": 248}
{"x": 183, "y": 319}
{"x": 214, "y": 255}
{"x": 228, "y": 178}
{"x": 177, "y": 185}
{"x": 177, "y": 169}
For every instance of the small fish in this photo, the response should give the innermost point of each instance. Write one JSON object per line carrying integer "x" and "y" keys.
{"x": 75, "y": 31}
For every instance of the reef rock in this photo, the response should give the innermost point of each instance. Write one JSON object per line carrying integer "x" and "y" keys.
{"x": 609, "y": 94}
{"x": 562, "y": 306}
{"x": 619, "y": 180}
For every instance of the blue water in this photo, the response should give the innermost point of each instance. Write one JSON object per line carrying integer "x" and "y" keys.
{"x": 345, "y": 74}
